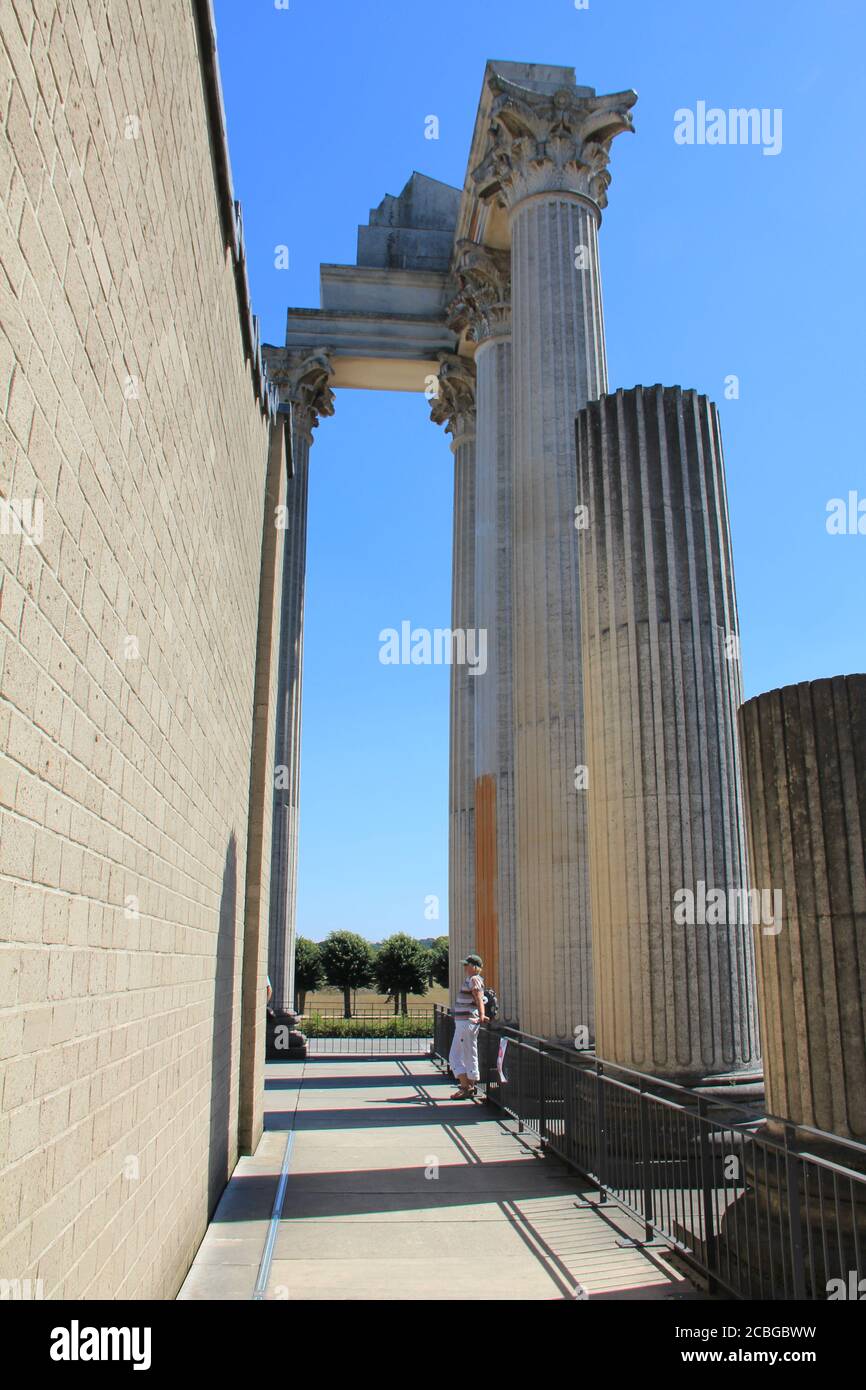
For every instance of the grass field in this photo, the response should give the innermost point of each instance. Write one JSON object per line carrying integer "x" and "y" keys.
{"x": 365, "y": 1001}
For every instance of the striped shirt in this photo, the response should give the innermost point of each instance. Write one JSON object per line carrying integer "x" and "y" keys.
{"x": 464, "y": 1005}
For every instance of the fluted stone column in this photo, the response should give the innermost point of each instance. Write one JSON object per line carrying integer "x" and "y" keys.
{"x": 454, "y": 407}
{"x": 547, "y": 167}
{"x": 804, "y": 764}
{"x": 674, "y": 971}
{"x": 302, "y": 380}
{"x": 483, "y": 308}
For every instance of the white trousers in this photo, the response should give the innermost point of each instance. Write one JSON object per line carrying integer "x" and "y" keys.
{"x": 463, "y": 1057}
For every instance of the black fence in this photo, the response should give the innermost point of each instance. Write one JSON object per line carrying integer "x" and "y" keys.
{"x": 382, "y": 1014}
{"x": 367, "y": 1034}
{"x": 764, "y": 1209}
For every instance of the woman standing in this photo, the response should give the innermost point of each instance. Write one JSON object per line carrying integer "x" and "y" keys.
{"x": 468, "y": 1017}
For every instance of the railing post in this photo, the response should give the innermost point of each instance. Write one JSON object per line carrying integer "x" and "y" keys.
{"x": 541, "y": 1096}
{"x": 795, "y": 1216}
{"x": 520, "y": 1053}
{"x": 600, "y": 1130}
{"x": 710, "y": 1245}
{"x": 486, "y": 1064}
{"x": 487, "y": 1059}
{"x": 643, "y": 1127}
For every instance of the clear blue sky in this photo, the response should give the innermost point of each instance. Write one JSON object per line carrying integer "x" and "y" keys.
{"x": 716, "y": 260}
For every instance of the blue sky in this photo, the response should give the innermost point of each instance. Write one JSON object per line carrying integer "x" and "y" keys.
{"x": 716, "y": 261}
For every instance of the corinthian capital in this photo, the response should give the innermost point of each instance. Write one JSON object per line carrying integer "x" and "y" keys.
{"x": 482, "y": 304}
{"x": 302, "y": 379}
{"x": 454, "y": 403}
{"x": 541, "y": 143}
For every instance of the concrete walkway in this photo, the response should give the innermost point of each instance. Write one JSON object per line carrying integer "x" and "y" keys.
{"x": 395, "y": 1192}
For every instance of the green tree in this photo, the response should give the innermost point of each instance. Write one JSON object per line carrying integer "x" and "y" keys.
{"x": 347, "y": 960}
{"x": 309, "y": 971}
{"x": 401, "y": 967}
{"x": 439, "y": 961}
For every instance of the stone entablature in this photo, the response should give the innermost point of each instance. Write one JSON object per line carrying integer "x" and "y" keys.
{"x": 414, "y": 231}
{"x": 433, "y": 261}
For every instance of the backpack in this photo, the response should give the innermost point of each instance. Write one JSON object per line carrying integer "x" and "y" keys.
{"x": 491, "y": 1004}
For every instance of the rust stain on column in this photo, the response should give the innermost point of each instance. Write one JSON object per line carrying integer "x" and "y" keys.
{"x": 486, "y": 924}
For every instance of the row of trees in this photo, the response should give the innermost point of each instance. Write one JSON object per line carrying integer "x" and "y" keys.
{"x": 398, "y": 967}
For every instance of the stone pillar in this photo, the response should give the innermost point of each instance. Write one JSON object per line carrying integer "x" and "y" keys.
{"x": 547, "y": 167}
{"x": 257, "y": 886}
{"x": 302, "y": 380}
{"x": 672, "y": 945}
{"x": 454, "y": 406}
{"x": 483, "y": 309}
{"x": 804, "y": 768}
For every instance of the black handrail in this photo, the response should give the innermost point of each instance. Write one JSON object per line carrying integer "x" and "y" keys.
{"x": 738, "y": 1193}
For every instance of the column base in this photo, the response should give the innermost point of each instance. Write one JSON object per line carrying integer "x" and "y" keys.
{"x": 283, "y": 1040}
{"x": 758, "y": 1239}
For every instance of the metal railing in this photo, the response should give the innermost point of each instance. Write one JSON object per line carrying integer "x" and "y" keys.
{"x": 384, "y": 1013}
{"x": 763, "y": 1208}
{"x": 367, "y": 1034}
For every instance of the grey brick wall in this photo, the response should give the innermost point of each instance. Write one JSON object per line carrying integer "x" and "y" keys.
{"x": 129, "y": 624}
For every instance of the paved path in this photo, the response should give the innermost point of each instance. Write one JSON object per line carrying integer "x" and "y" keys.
{"x": 395, "y": 1192}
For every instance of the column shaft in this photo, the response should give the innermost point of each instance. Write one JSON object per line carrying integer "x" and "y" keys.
{"x": 287, "y": 757}
{"x": 461, "y": 791}
{"x": 559, "y": 364}
{"x": 804, "y": 764}
{"x": 675, "y": 992}
{"x": 496, "y": 914}
{"x": 302, "y": 377}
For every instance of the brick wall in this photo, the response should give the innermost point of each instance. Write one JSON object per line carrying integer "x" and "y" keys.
{"x": 129, "y": 621}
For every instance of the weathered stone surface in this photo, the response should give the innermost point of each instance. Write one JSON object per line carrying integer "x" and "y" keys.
{"x": 804, "y": 767}
{"x": 481, "y": 307}
{"x": 542, "y": 160}
{"x": 284, "y": 1040}
{"x": 414, "y": 230}
{"x": 302, "y": 381}
{"x": 454, "y": 407}
{"x": 383, "y": 319}
{"x": 661, "y": 687}
{"x": 558, "y": 364}
{"x": 543, "y": 141}
{"x": 482, "y": 310}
